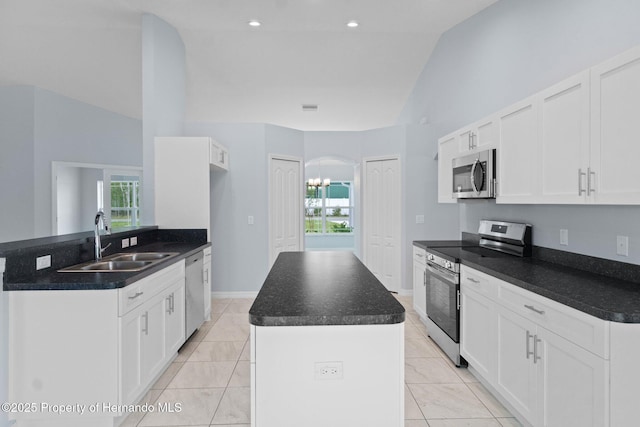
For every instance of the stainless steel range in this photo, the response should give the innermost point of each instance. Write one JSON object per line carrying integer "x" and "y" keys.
{"x": 443, "y": 277}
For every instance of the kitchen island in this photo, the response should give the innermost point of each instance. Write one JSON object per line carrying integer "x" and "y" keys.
{"x": 327, "y": 345}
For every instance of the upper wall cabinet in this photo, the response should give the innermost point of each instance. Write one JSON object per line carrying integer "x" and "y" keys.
{"x": 517, "y": 155}
{"x": 563, "y": 152}
{"x": 182, "y": 185}
{"x": 481, "y": 135}
{"x": 614, "y": 175}
{"x": 219, "y": 155}
{"x": 573, "y": 143}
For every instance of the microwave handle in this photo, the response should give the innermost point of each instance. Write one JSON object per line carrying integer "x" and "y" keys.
{"x": 473, "y": 174}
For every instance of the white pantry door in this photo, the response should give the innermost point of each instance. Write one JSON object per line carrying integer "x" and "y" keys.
{"x": 381, "y": 214}
{"x": 285, "y": 206}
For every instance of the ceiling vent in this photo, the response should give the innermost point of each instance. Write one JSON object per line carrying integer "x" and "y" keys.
{"x": 310, "y": 107}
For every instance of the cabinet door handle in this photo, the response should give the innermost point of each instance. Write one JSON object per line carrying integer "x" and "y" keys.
{"x": 206, "y": 276}
{"x": 173, "y": 303}
{"x": 472, "y": 280}
{"x": 535, "y": 349}
{"x": 136, "y": 295}
{"x": 146, "y": 323}
{"x": 589, "y": 189}
{"x": 168, "y": 300}
{"x": 580, "y": 175}
{"x": 424, "y": 278}
{"x": 532, "y": 308}
{"x": 529, "y": 352}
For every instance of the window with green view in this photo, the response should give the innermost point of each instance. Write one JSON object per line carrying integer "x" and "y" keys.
{"x": 329, "y": 210}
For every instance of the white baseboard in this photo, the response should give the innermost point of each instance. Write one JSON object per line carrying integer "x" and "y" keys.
{"x": 243, "y": 294}
{"x": 405, "y": 292}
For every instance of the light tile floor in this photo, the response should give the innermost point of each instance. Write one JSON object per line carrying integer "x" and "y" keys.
{"x": 210, "y": 379}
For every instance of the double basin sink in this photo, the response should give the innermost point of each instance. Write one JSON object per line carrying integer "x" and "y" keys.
{"x": 121, "y": 262}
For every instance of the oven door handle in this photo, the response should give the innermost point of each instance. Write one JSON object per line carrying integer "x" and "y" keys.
{"x": 447, "y": 275}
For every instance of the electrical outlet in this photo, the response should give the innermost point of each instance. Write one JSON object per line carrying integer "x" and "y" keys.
{"x": 328, "y": 370}
{"x": 43, "y": 262}
{"x": 622, "y": 245}
{"x": 250, "y": 220}
{"x": 125, "y": 243}
{"x": 134, "y": 241}
{"x": 564, "y": 236}
{"x": 419, "y": 219}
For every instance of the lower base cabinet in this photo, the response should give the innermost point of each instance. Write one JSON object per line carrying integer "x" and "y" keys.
{"x": 546, "y": 378}
{"x": 100, "y": 349}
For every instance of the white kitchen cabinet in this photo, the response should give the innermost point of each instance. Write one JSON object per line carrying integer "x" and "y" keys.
{"x": 447, "y": 151}
{"x": 111, "y": 359}
{"x": 548, "y": 361}
{"x": 182, "y": 180}
{"x": 572, "y": 383}
{"x": 174, "y": 318}
{"x": 420, "y": 282}
{"x": 518, "y": 153}
{"x": 614, "y": 176}
{"x": 517, "y": 379}
{"x": 206, "y": 275}
{"x": 478, "y": 322}
{"x": 218, "y": 155}
{"x": 481, "y": 135}
{"x": 564, "y": 141}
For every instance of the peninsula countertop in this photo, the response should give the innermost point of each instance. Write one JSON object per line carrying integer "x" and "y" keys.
{"x": 323, "y": 288}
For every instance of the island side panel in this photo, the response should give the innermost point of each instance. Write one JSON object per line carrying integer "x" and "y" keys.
{"x": 294, "y": 380}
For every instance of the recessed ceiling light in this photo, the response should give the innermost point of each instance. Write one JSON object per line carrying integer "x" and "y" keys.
{"x": 352, "y": 24}
{"x": 254, "y": 23}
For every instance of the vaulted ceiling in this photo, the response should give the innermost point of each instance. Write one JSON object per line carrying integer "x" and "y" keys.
{"x": 303, "y": 53}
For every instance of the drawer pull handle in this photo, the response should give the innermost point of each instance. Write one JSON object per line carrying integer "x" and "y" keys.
{"x": 532, "y": 308}
{"x": 471, "y": 279}
{"x": 136, "y": 295}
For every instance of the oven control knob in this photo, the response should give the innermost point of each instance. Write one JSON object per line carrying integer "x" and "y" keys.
{"x": 430, "y": 257}
{"x": 448, "y": 264}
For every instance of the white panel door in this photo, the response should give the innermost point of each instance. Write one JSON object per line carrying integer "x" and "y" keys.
{"x": 615, "y": 144}
{"x": 285, "y": 206}
{"x": 382, "y": 220}
{"x": 564, "y": 141}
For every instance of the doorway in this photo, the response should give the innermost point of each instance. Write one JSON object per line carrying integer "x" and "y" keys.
{"x": 285, "y": 206}
{"x": 382, "y": 227}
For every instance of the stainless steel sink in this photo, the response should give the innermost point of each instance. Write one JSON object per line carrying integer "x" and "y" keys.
{"x": 121, "y": 262}
{"x": 142, "y": 256}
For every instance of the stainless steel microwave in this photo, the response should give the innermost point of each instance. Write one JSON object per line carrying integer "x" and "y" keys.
{"x": 474, "y": 176}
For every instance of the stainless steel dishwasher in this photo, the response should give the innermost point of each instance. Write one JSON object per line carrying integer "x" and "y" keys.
{"x": 194, "y": 294}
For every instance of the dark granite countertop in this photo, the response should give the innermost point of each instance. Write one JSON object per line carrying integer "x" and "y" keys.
{"x": 603, "y": 296}
{"x": 323, "y": 288}
{"x": 111, "y": 280}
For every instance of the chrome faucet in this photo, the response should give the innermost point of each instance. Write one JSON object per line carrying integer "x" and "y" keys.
{"x": 96, "y": 233}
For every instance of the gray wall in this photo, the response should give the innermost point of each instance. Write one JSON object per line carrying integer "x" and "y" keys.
{"x": 16, "y": 163}
{"x": 37, "y": 127}
{"x": 163, "y": 96}
{"x": 505, "y": 53}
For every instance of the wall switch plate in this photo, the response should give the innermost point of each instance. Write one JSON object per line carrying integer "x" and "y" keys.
{"x": 125, "y": 243}
{"x": 328, "y": 370}
{"x": 250, "y": 220}
{"x": 133, "y": 241}
{"x": 622, "y": 245}
{"x": 564, "y": 236}
{"x": 43, "y": 262}
{"x": 419, "y": 219}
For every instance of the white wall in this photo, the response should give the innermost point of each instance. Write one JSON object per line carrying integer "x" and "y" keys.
{"x": 163, "y": 96}
{"x": 505, "y": 53}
